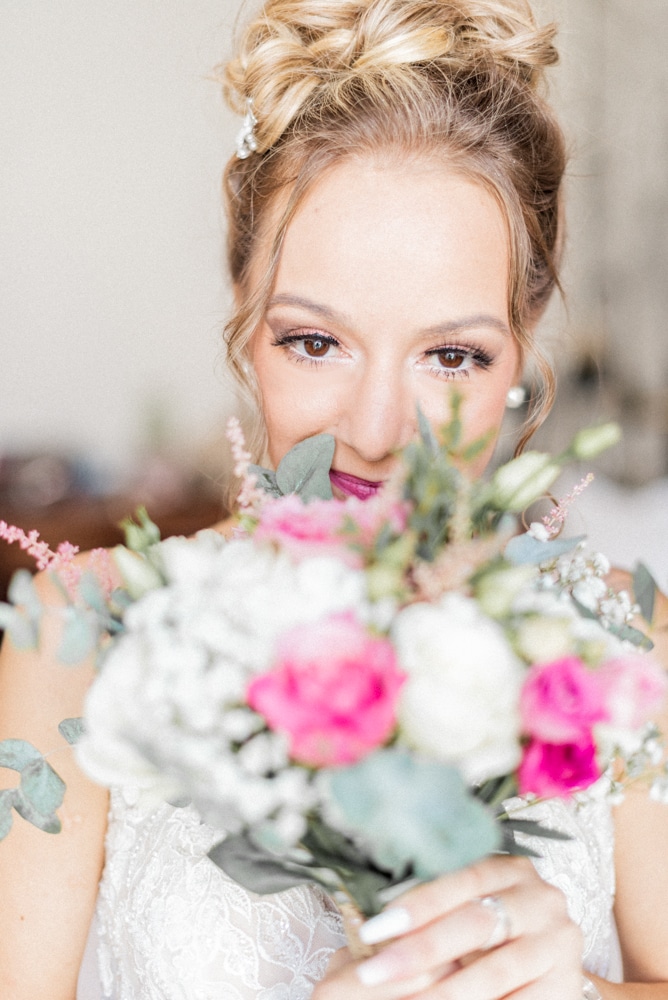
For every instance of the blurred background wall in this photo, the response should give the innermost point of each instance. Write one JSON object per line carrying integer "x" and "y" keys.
{"x": 112, "y": 298}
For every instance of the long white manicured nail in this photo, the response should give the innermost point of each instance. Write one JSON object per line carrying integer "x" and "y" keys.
{"x": 388, "y": 924}
{"x": 375, "y": 971}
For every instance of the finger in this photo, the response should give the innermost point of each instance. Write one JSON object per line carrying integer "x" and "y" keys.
{"x": 345, "y": 982}
{"x": 429, "y": 901}
{"x": 526, "y": 909}
{"x": 527, "y": 967}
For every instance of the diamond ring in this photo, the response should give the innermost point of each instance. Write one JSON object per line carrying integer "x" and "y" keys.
{"x": 501, "y": 930}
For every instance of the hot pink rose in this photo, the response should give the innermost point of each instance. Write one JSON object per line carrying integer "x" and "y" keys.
{"x": 561, "y": 701}
{"x": 634, "y": 689}
{"x": 333, "y": 691}
{"x": 550, "y": 769}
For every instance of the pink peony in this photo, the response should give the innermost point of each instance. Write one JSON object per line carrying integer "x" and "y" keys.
{"x": 328, "y": 527}
{"x": 371, "y": 515}
{"x": 305, "y": 529}
{"x": 561, "y": 701}
{"x": 550, "y": 769}
{"x": 333, "y": 691}
{"x": 634, "y": 690}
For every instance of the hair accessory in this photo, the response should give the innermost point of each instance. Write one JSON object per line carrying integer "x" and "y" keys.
{"x": 515, "y": 397}
{"x": 501, "y": 930}
{"x": 246, "y": 141}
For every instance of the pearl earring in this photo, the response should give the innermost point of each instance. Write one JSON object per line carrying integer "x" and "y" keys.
{"x": 516, "y": 396}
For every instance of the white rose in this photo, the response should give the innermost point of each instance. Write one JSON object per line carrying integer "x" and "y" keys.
{"x": 460, "y": 701}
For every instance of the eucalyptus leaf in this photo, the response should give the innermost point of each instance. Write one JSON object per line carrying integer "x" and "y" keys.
{"x": 24, "y": 807}
{"x": 332, "y": 849}
{"x": 525, "y": 550}
{"x": 79, "y": 638}
{"x": 633, "y": 635}
{"x": 42, "y": 787}
{"x": 22, "y": 591}
{"x": 427, "y": 435}
{"x": 72, "y": 730}
{"x": 92, "y": 593}
{"x": 23, "y": 632}
{"x": 7, "y": 797}
{"x": 258, "y": 870}
{"x": 305, "y": 468}
{"x": 17, "y": 754}
{"x": 476, "y": 447}
{"x": 413, "y": 812}
{"x": 366, "y": 887}
{"x": 266, "y": 480}
{"x": 644, "y": 590}
{"x": 120, "y": 599}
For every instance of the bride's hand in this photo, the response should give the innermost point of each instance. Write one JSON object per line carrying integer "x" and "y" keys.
{"x": 449, "y": 944}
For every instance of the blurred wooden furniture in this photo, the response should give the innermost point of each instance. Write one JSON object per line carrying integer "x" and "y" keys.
{"x": 92, "y": 522}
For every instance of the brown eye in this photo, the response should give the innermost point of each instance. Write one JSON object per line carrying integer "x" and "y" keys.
{"x": 315, "y": 347}
{"x": 451, "y": 359}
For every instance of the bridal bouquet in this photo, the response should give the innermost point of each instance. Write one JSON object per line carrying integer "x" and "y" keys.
{"x": 351, "y": 690}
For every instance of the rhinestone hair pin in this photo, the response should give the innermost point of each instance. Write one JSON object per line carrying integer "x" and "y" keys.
{"x": 246, "y": 141}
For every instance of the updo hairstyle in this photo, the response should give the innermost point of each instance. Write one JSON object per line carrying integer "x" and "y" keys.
{"x": 457, "y": 79}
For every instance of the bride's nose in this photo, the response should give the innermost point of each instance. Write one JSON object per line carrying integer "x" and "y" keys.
{"x": 378, "y": 415}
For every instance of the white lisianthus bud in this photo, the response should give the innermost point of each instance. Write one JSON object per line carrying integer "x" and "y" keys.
{"x": 521, "y": 481}
{"x": 139, "y": 576}
{"x": 592, "y": 441}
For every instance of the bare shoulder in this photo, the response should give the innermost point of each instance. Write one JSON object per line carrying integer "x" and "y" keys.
{"x": 48, "y": 883}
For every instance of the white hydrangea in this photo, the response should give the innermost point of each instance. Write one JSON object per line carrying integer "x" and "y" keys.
{"x": 460, "y": 701}
{"x": 164, "y": 715}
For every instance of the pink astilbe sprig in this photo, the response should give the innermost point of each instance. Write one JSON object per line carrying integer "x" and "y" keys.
{"x": 61, "y": 561}
{"x": 250, "y": 497}
{"x": 555, "y": 519}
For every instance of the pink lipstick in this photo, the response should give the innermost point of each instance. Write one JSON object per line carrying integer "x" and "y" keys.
{"x": 353, "y": 486}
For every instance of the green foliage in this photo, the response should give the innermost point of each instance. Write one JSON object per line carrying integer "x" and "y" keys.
{"x": 81, "y": 633}
{"x": 523, "y": 550}
{"x": 326, "y": 857}
{"x": 142, "y": 534}
{"x": 41, "y": 790}
{"x": 260, "y": 871}
{"x": 22, "y": 617}
{"x": 438, "y": 824}
{"x": 304, "y": 470}
{"x": 72, "y": 730}
{"x": 645, "y": 590}
{"x": 7, "y": 796}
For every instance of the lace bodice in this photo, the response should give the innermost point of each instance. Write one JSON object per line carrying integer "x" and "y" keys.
{"x": 171, "y": 926}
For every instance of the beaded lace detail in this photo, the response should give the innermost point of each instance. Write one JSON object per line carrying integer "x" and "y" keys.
{"x": 582, "y": 867}
{"x": 172, "y": 926}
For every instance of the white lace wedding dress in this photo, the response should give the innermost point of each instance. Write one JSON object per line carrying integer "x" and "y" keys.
{"x": 171, "y": 926}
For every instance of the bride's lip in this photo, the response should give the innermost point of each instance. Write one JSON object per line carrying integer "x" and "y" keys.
{"x": 353, "y": 486}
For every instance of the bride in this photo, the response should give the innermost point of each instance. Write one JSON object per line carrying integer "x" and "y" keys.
{"x": 394, "y": 234}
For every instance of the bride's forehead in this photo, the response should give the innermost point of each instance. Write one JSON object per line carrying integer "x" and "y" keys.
{"x": 365, "y": 216}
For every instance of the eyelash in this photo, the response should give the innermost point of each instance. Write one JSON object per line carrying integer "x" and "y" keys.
{"x": 480, "y": 358}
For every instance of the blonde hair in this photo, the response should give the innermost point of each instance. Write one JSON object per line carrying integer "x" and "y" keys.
{"x": 330, "y": 79}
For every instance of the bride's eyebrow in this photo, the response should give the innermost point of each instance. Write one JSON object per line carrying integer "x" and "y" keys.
{"x": 460, "y": 325}
{"x": 285, "y": 299}
{"x": 468, "y": 323}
